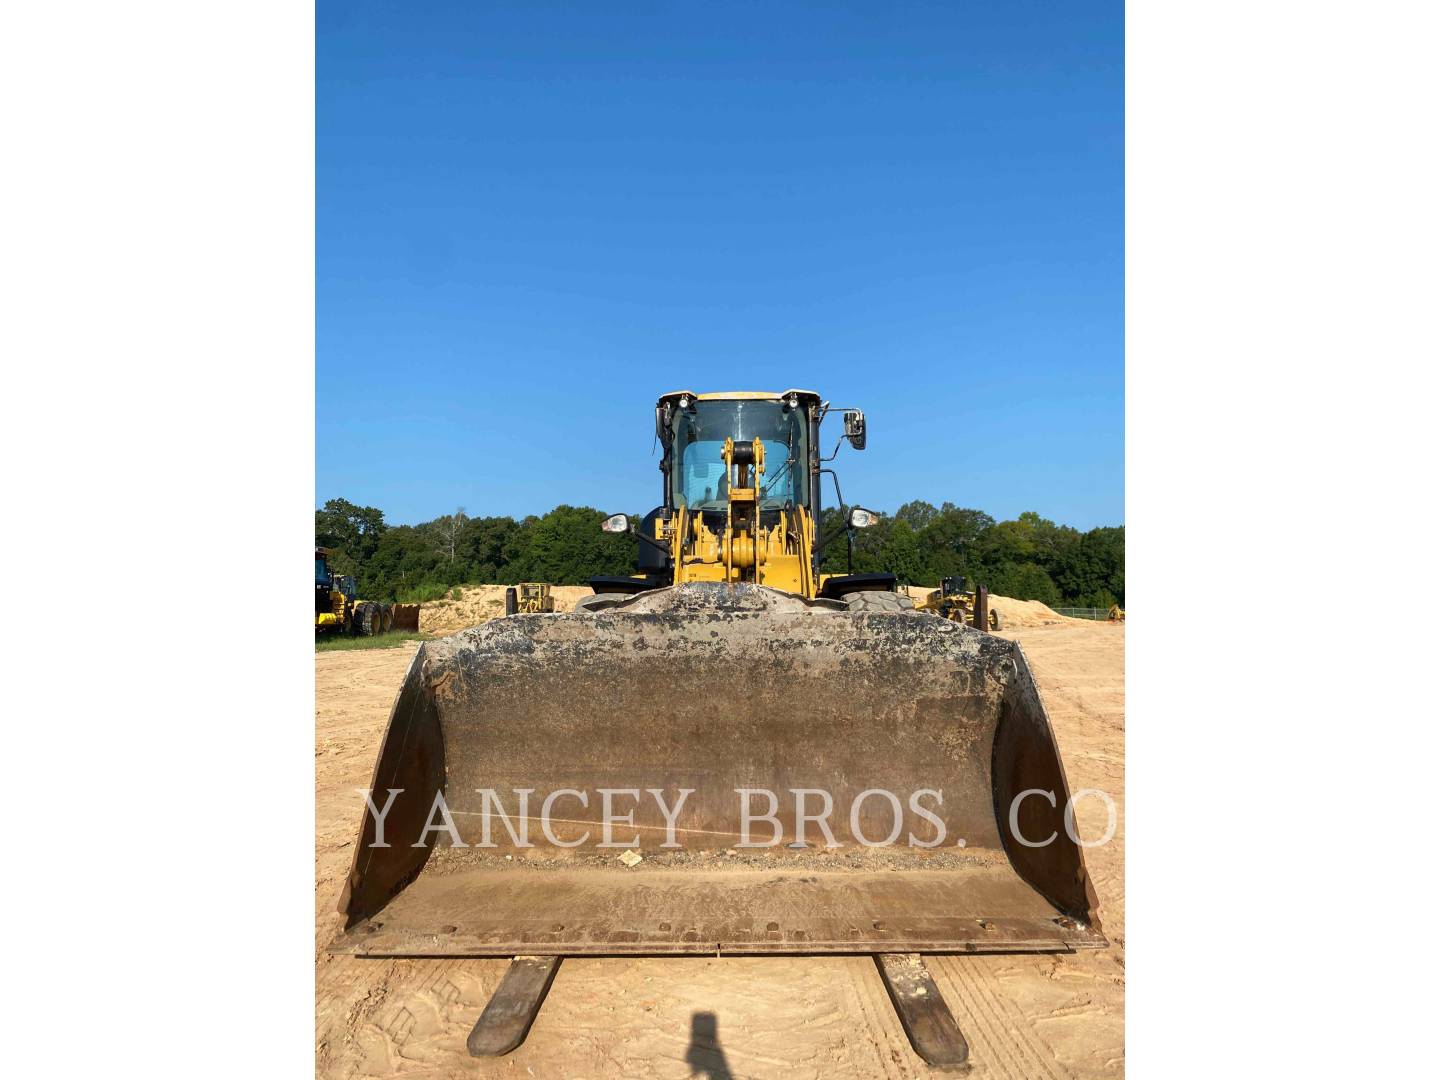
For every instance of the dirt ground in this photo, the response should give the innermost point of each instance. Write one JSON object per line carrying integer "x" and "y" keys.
{"x": 480, "y": 603}
{"x": 1025, "y": 1016}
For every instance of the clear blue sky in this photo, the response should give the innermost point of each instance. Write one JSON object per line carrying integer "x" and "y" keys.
{"x": 535, "y": 217}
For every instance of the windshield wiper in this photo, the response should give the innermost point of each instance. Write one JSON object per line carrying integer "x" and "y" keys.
{"x": 784, "y": 471}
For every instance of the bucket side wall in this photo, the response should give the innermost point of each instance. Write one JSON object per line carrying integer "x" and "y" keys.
{"x": 412, "y": 760}
{"x": 1027, "y": 760}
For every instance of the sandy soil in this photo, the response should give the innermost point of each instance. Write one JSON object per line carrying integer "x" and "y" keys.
{"x": 1025, "y": 1016}
{"x": 1014, "y": 613}
{"x": 481, "y": 603}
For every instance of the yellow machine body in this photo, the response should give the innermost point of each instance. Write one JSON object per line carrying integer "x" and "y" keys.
{"x": 777, "y": 552}
{"x": 533, "y": 597}
{"x": 952, "y": 601}
{"x": 336, "y": 608}
{"x": 744, "y": 549}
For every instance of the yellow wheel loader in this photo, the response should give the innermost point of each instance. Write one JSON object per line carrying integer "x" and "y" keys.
{"x": 337, "y": 610}
{"x": 727, "y": 753}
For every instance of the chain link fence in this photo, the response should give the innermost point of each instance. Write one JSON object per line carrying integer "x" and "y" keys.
{"x": 1098, "y": 613}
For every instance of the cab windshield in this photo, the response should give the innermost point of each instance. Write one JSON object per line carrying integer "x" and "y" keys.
{"x": 322, "y": 572}
{"x": 697, "y": 479}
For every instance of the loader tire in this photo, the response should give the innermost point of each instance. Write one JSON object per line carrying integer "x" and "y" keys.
{"x": 997, "y": 622}
{"x": 372, "y": 622}
{"x": 878, "y": 601}
{"x": 389, "y": 618}
{"x": 598, "y": 602}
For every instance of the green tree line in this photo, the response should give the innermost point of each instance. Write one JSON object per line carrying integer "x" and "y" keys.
{"x": 1030, "y": 558}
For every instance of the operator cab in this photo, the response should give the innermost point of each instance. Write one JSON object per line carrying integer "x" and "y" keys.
{"x": 322, "y": 582}
{"x": 741, "y": 488}
{"x": 698, "y": 427}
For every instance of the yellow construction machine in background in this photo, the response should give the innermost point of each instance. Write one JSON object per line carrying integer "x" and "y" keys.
{"x": 337, "y": 609}
{"x": 533, "y": 597}
{"x": 952, "y": 601}
{"x": 529, "y": 598}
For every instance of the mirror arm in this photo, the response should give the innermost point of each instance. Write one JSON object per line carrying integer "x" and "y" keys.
{"x": 839, "y": 499}
{"x": 824, "y": 412}
{"x": 662, "y": 548}
{"x": 825, "y": 541}
{"x": 844, "y": 515}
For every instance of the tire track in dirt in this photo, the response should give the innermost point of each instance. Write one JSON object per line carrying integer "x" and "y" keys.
{"x": 893, "y": 1056}
{"x": 1003, "y": 1043}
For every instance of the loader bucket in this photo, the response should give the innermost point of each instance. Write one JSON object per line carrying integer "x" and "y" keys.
{"x": 626, "y": 747}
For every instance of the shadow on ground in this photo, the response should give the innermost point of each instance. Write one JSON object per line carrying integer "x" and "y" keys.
{"x": 704, "y": 1055}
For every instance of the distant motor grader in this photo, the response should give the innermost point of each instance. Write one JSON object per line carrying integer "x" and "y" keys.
{"x": 954, "y": 602}
{"x": 534, "y": 598}
{"x": 529, "y": 598}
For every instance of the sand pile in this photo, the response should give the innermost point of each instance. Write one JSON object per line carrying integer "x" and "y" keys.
{"x": 1027, "y": 613}
{"x": 481, "y": 603}
{"x": 1013, "y": 612}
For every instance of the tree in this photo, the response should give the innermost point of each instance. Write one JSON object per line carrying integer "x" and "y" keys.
{"x": 449, "y": 531}
{"x": 566, "y": 547}
{"x": 1094, "y": 563}
{"x": 351, "y": 532}
{"x": 917, "y": 514}
{"x": 1029, "y": 558}
{"x": 1026, "y": 581}
{"x": 948, "y": 538}
{"x": 483, "y": 546}
{"x": 906, "y": 559}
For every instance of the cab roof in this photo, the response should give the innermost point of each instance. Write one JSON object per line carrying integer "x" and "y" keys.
{"x": 743, "y": 395}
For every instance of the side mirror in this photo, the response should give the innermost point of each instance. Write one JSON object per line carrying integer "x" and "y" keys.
{"x": 855, "y": 428}
{"x": 860, "y": 518}
{"x": 615, "y": 523}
